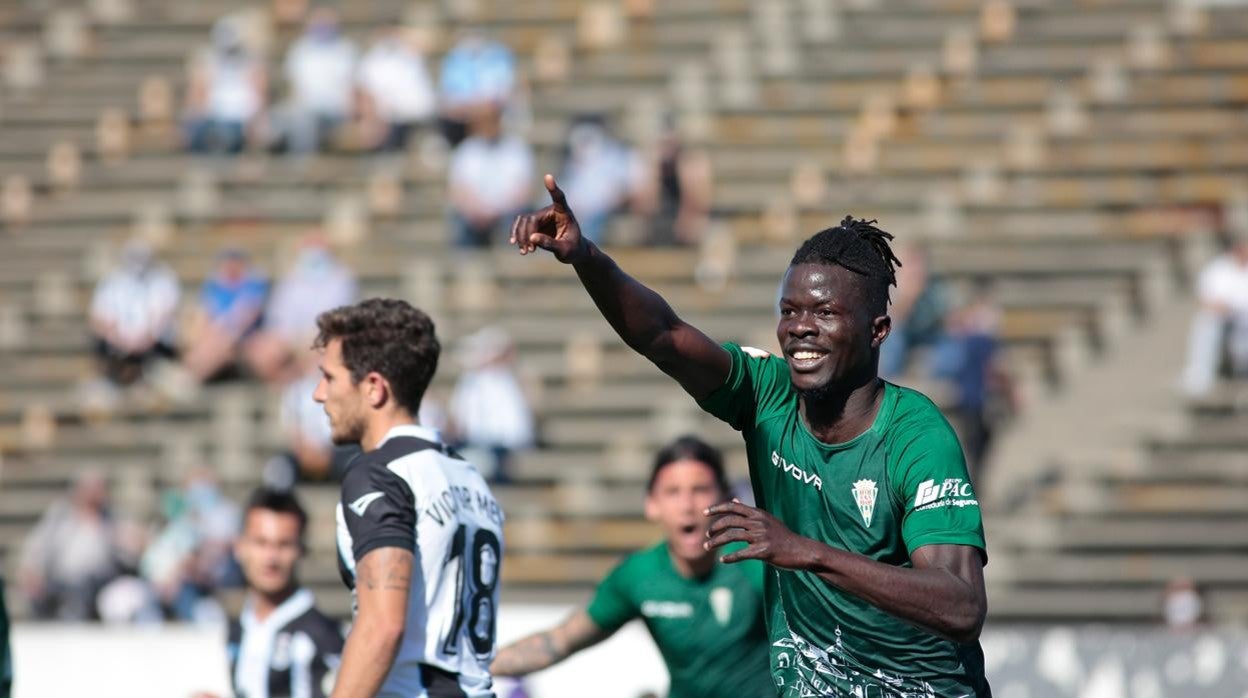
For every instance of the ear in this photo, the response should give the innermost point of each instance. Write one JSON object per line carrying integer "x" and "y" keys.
{"x": 880, "y": 328}
{"x": 652, "y": 508}
{"x": 376, "y": 390}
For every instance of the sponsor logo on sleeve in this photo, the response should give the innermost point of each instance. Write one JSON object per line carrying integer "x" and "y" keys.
{"x": 951, "y": 492}
{"x": 360, "y": 505}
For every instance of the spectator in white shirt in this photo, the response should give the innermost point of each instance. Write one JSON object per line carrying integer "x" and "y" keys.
{"x": 226, "y": 92}
{"x": 320, "y": 68}
{"x": 490, "y": 411}
{"x": 315, "y": 283}
{"x": 71, "y": 553}
{"x": 1221, "y": 320}
{"x": 490, "y": 175}
{"x": 600, "y": 174}
{"x": 132, "y": 314}
{"x": 395, "y": 88}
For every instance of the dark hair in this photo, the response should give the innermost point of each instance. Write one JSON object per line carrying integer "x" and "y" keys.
{"x": 859, "y": 246}
{"x": 388, "y": 336}
{"x": 280, "y": 501}
{"x": 689, "y": 447}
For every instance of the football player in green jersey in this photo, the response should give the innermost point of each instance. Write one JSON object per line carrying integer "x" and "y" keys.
{"x": 866, "y": 517}
{"x": 705, "y": 616}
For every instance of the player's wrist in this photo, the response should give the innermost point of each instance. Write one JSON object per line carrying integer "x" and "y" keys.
{"x": 586, "y": 253}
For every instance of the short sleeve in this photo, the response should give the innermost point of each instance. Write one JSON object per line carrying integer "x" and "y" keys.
{"x": 931, "y": 482}
{"x": 378, "y": 508}
{"x": 757, "y": 386}
{"x": 612, "y": 605}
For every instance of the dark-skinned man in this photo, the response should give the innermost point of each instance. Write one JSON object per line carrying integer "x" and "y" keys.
{"x": 866, "y": 517}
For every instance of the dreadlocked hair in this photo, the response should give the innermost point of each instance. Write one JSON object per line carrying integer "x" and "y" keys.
{"x": 859, "y": 246}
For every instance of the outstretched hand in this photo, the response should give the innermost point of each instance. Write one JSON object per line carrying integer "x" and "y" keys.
{"x": 767, "y": 539}
{"x": 552, "y": 228}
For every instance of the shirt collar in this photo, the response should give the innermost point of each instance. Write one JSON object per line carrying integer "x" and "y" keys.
{"x": 290, "y": 609}
{"x": 416, "y": 430}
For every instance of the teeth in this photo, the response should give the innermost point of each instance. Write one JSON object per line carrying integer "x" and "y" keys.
{"x": 806, "y": 355}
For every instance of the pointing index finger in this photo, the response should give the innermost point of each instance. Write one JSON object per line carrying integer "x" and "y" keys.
{"x": 556, "y": 194}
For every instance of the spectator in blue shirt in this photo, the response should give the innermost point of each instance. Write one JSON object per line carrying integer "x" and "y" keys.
{"x": 478, "y": 74}
{"x": 231, "y": 303}
{"x": 969, "y": 358}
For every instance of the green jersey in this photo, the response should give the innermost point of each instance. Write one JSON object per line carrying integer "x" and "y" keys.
{"x": 898, "y": 486}
{"x": 710, "y": 630}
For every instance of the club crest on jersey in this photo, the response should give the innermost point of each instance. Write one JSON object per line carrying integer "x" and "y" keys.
{"x": 721, "y": 604}
{"x": 864, "y": 496}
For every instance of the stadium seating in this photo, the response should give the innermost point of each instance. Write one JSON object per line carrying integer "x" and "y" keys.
{"x": 1081, "y": 192}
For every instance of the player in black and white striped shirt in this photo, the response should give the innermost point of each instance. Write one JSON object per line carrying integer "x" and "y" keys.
{"x": 420, "y": 536}
{"x": 280, "y": 645}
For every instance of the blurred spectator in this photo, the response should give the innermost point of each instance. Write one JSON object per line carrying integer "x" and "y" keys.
{"x": 490, "y": 176}
{"x": 1182, "y": 606}
{"x": 316, "y": 282}
{"x": 229, "y": 312}
{"x": 968, "y": 356}
{"x": 70, "y": 554}
{"x": 320, "y": 67}
{"x": 599, "y": 174}
{"x": 489, "y": 410}
{"x": 396, "y": 88}
{"x": 128, "y": 598}
{"x": 190, "y": 557}
{"x": 280, "y": 644}
{"x": 677, "y": 190}
{"x": 478, "y": 74}
{"x": 226, "y": 93}
{"x": 1221, "y": 320}
{"x": 918, "y": 311}
{"x": 132, "y": 314}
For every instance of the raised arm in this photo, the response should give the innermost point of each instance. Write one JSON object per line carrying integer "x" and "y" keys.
{"x": 541, "y": 650}
{"x": 641, "y": 317}
{"x": 383, "y": 581}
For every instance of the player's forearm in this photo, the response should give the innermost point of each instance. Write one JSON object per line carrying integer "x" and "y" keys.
{"x": 637, "y": 314}
{"x": 366, "y": 659}
{"x": 934, "y": 599}
{"x": 533, "y": 653}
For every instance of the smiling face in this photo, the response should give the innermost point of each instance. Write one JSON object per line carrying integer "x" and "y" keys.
{"x": 345, "y": 401}
{"x": 268, "y": 549}
{"x": 827, "y": 330}
{"x": 682, "y": 490}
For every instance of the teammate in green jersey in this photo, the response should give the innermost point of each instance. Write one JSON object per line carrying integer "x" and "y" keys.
{"x": 866, "y": 518}
{"x": 705, "y": 616}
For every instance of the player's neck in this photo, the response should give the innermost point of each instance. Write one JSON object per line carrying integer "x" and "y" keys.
{"x": 839, "y": 416}
{"x": 692, "y": 569}
{"x": 263, "y": 605}
{"x": 381, "y": 424}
